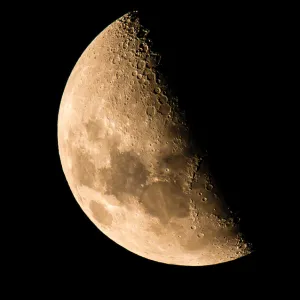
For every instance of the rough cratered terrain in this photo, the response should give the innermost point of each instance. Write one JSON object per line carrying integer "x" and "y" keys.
{"x": 129, "y": 160}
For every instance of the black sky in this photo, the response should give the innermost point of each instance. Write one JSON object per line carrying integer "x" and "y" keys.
{"x": 218, "y": 61}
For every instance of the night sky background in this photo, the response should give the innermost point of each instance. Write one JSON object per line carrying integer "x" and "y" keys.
{"x": 217, "y": 60}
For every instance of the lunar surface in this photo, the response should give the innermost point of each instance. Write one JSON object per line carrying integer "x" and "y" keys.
{"x": 126, "y": 152}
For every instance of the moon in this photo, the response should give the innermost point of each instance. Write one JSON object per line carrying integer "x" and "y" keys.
{"x": 128, "y": 157}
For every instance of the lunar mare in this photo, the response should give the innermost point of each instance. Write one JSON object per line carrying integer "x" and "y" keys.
{"x": 126, "y": 152}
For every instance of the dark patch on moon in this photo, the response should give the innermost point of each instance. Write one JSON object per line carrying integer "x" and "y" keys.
{"x": 165, "y": 200}
{"x": 178, "y": 166}
{"x": 175, "y": 162}
{"x": 126, "y": 175}
{"x": 100, "y": 213}
{"x": 83, "y": 168}
{"x": 94, "y": 129}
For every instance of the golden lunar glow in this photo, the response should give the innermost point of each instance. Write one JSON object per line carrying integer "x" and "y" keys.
{"x": 124, "y": 149}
